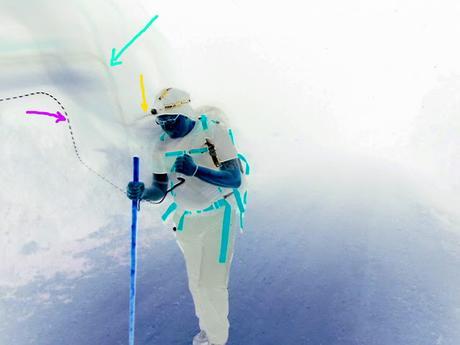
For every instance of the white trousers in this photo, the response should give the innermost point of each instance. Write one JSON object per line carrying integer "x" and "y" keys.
{"x": 208, "y": 279}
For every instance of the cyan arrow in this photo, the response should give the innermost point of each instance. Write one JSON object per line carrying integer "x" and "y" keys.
{"x": 115, "y": 56}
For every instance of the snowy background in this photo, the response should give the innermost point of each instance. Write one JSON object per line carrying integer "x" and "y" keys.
{"x": 349, "y": 113}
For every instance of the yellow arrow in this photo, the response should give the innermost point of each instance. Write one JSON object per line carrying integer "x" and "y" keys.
{"x": 144, "y": 104}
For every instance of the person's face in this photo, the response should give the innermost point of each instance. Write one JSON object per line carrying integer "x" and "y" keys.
{"x": 166, "y": 120}
{"x": 173, "y": 124}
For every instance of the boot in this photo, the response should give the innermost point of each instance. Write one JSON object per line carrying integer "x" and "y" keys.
{"x": 201, "y": 339}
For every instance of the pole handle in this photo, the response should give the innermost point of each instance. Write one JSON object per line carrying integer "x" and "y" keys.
{"x": 136, "y": 203}
{"x": 135, "y": 169}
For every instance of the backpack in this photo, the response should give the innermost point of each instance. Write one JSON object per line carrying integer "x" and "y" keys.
{"x": 212, "y": 117}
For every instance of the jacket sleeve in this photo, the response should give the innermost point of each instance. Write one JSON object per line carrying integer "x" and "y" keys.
{"x": 158, "y": 161}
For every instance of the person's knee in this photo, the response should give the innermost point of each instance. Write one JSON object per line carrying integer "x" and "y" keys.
{"x": 193, "y": 286}
{"x": 213, "y": 293}
{"x": 214, "y": 277}
{"x": 206, "y": 286}
{"x": 217, "y": 281}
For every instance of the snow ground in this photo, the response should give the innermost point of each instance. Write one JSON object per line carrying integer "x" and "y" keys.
{"x": 373, "y": 267}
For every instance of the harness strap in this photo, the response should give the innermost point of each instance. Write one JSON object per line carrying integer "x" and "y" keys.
{"x": 225, "y": 229}
{"x": 239, "y": 201}
{"x": 180, "y": 226}
{"x": 198, "y": 150}
{"x": 209, "y": 208}
{"x": 204, "y": 121}
{"x": 240, "y": 204}
{"x": 230, "y": 134}
{"x": 240, "y": 156}
{"x": 183, "y": 152}
{"x": 170, "y": 209}
{"x": 174, "y": 153}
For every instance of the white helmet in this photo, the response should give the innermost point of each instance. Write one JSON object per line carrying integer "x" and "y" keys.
{"x": 172, "y": 101}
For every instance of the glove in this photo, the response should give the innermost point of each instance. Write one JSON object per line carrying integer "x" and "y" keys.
{"x": 134, "y": 190}
{"x": 185, "y": 165}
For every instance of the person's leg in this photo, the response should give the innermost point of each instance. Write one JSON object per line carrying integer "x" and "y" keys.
{"x": 190, "y": 243}
{"x": 213, "y": 283}
{"x": 208, "y": 279}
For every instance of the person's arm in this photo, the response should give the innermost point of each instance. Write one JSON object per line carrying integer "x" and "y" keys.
{"x": 228, "y": 175}
{"x": 158, "y": 188}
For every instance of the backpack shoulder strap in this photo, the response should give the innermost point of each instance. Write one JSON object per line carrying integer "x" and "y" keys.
{"x": 204, "y": 122}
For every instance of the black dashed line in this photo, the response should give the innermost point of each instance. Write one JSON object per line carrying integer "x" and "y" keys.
{"x": 71, "y": 136}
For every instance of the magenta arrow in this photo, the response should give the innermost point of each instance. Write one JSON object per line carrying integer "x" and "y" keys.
{"x": 59, "y": 117}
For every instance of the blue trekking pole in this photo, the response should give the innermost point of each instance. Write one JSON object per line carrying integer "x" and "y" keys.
{"x": 132, "y": 290}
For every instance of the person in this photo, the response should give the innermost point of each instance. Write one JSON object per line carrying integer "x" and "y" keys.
{"x": 205, "y": 205}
